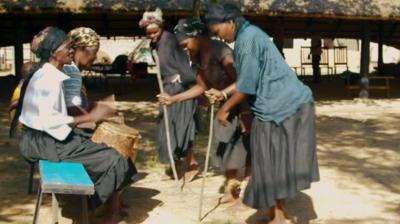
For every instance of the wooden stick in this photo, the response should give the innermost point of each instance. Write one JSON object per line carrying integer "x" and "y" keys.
{"x": 210, "y": 136}
{"x": 166, "y": 121}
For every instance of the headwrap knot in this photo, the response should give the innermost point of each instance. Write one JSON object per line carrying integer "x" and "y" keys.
{"x": 46, "y": 41}
{"x": 221, "y": 13}
{"x": 188, "y": 28}
{"x": 151, "y": 18}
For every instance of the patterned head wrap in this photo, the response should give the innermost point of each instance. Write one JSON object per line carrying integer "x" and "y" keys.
{"x": 188, "y": 28}
{"x": 84, "y": 37}
{"x": 221, "y": 13}
{"x": 46, "y": 41}
{"x": 151, "y": 18}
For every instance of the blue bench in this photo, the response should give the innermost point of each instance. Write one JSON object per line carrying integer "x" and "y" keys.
{"x": 63, "y": 178}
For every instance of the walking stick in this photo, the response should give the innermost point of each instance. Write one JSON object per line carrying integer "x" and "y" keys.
{"x": 210, "y": 135}
{"x": 166, "y": 122}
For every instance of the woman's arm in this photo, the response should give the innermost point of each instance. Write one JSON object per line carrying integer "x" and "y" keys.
{"x": 233, "y": 101}
{"x": 191, "y": 93}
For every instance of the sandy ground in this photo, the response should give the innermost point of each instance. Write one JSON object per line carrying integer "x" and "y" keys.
{"x": 358, "y": 154}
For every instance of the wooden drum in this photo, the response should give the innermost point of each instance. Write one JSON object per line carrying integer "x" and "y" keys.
{"x": 119, "y": 136}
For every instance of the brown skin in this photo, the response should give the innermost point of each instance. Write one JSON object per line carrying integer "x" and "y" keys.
{"x": 199, "y": 45}
{"x": 154, "y": 32}
{"x": 83, "y": 57}
{"x": 63, "y": 55}
{"x": 25, "y": 69}
{"x": 226, "y": 31}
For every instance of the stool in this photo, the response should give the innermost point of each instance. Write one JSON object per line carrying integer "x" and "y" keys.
{"x": 63, "y": 178}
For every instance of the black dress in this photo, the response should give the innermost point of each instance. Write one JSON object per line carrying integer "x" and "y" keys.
{"x": 109, "y": 171}
{"x": 173, "y": 63}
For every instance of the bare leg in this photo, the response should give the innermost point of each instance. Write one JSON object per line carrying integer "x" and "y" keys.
{"x": 113, "y": 209}
{"x": 278, "y": 213}
{"x": 247, "y": 173}
{"x": 193, "y": 166}
{"x": 169, "y": 171}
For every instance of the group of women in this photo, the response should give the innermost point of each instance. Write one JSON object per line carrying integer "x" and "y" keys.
{"x": 265, "y": 123}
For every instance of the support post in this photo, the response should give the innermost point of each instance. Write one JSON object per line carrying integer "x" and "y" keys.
{"x": 364, "y": 65}
{"x": 380, "y": 47}
{"x": 18, "y": 47}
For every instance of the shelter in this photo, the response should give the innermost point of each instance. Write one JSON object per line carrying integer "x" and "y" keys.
{"x": 369, "y": 20}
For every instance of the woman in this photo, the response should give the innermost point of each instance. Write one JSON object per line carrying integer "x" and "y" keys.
{"x": 85, "y": 42}
{"x": 14, "y": 101}
{"x": 283, "y": 147}
{"x": 214, "y": 61}
{"x": 177, "y": 77}
{"x": 49, "y": 133}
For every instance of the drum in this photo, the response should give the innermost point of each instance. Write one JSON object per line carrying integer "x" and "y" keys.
{"x": 119, "y": 136}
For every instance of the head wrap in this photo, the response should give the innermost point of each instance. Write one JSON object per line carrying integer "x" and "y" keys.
{"x": 46, "y": 41}
{"x": 151, "y": 18}
{"x": 221, "y": 13}
{"x": 84, "y": 37}
{"x": 188, "y": 28}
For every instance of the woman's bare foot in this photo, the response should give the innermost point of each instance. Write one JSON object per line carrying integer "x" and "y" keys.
{"x": 123, "y": 204}
{"x": 238, "y": 206}
{"x": 279, "y": 216}
{"x": 191, "y": 173}
{"x": 170, "y": 173}
{"x": 112, "y": 219}
{"x": 226, "y": 198}
{"x": 113, "y": 209}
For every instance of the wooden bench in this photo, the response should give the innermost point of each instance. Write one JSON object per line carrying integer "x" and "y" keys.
{"x": 377, "y": 83}
{"x": 63, "y": 178}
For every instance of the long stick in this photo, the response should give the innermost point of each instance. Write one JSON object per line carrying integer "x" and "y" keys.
{"x": 210, "y": 136}
{"x": 166, "y": 122}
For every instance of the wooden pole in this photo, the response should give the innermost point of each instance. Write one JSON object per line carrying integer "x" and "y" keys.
{"x": 164, "y": 107}
{"x": 364, "y": 65}
{"x": 210, "y": 136}
{"x": 380, "y": 47}
{"x": 196, "y": 8}
{"x": 279, "y": 34}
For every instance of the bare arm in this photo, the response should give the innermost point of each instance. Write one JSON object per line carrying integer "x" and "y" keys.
{"x": 191, "y": 93}
{"x": 233, "y": 101}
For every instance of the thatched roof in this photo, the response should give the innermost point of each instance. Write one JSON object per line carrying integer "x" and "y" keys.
{"x": 297, "y": 18}
{"x": 379, "y": 9}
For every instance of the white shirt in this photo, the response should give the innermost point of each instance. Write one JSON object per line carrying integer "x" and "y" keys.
{"x": 44, "y": 106}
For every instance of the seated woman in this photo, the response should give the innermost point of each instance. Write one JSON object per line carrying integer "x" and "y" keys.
{"x": 14, "y": 100}
{"x": 85, "y": 42}
{"x": 214, "y": 61}
{"x": 48, "y": 132}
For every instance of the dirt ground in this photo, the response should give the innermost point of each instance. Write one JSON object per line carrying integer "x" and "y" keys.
{"x": 358, "y": 155}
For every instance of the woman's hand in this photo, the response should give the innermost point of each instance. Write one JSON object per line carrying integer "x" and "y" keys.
{"x": 101, "y": 111}
{"x": 245, "y": 122}
{"x": 222, "y": 117}
{"x": 165, "y": 99}
{"x": 214, "y": 95}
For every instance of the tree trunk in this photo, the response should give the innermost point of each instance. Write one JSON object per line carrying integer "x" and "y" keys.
{"x": 364, "y": 65}
{"x": 18, "y": 47}
{"x": 196, "y": 9}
